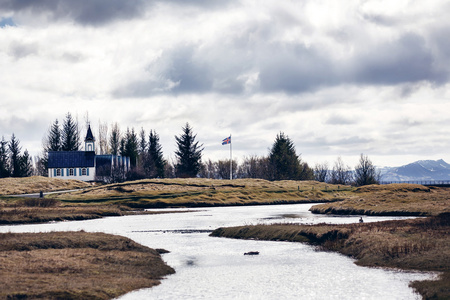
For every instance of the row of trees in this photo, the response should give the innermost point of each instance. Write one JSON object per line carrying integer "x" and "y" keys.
{"x": 364, "y": 172}
{"x": 147, "y": 159}
{"x": 12, "y": 162}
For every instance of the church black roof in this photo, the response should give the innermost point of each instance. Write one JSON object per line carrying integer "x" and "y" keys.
{"x": 71, "y": 159}
{"x": 89, "y": 135}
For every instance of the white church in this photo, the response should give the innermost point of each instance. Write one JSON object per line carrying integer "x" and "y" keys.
{"x": 85, "y": 165}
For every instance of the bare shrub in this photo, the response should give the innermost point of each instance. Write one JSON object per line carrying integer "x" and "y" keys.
{"x": 39, "y": 202}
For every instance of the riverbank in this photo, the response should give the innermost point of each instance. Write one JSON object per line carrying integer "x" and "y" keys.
{"x": 417, "y": 244}
{"x": 75, "y": 265}
{"x": 41, "y": 210}
{"x": 390, "y": 200}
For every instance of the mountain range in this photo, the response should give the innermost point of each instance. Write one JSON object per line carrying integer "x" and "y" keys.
{"x": 422, "y": 170}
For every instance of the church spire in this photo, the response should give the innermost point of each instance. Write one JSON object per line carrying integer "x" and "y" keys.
{"x": 89, "y": 140}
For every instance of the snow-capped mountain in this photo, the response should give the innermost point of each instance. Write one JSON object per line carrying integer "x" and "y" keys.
{"x": 421, "y": 170}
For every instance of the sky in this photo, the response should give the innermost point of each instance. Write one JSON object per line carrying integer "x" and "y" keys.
{"x": 339, "y": 78}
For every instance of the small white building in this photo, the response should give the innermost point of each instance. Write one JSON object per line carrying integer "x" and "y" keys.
{"x": 85, "y": 165}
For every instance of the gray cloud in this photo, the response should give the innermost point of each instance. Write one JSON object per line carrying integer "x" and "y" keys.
{"x": 406, "y": 60}
{"x": 86, "y": 12}
{"x": 20, "y": 49}
{"x": 339, "y": 120}
{"x": 96, "y": 12}
{"x": 289, "y": 68}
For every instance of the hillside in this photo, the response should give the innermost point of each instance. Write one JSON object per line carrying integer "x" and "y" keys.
{"x": 35, "y": 184}
{"x": 422, "y": 170}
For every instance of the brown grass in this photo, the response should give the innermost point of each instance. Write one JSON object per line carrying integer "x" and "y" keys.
{"x": 40, "y": 210}
{"x": 75, "y": 265}
{"x": 206, "y": 192}
{"x": 35, "y": 184}
{"x": 419, "y": 244}
{"x": 392, "y": 199}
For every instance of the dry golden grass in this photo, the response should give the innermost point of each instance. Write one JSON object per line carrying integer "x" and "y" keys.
{"x": 419, "y": 244}
{"x": 75, "y": 265}
{"x": 35, "y": 184}
{"x": 392, "y": 199}
{"x": 206, "y": 192}
{"x": 36, "y": 210}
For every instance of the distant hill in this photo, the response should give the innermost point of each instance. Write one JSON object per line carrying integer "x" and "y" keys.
{"x": 421, "y": 170}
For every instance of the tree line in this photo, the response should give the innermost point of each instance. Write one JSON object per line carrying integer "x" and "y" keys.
{"x": 14, "y": 163}
{"x": 147, "y": 159}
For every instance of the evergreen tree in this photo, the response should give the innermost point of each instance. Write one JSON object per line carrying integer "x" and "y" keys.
{"x": 70, "y": 138}
{"x": 4, "y": 161}
{"x": 115, "y": 140}
{"x": 53, "y": 142}
{"x": 284, "y": 162}
{"x": 131, "y": 146}
{"x": 14, "y": 156}
{"x": 188, "y": 154}
{"x": 142, "y": 142}
{"x": 155, "y": 155}
{"x": 26, "y": 165}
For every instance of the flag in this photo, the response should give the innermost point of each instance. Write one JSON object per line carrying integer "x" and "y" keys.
{"x": 226, "y": 141}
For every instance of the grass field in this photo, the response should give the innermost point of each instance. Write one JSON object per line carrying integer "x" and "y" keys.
{"x": 392, "y": 199}
{"x": 206, "y": 192}
{"x": 75, "y": 265}
{"x": 35, "y": 184}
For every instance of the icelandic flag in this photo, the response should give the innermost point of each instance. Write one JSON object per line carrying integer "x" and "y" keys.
{"x": 226, "y": 141}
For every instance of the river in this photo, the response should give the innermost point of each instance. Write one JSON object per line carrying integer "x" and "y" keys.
{"x": 215, "y": 268}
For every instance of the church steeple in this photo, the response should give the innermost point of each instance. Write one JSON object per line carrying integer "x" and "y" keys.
{"x": 89, "y": 141}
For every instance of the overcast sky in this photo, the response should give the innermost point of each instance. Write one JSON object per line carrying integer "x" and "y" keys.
{"x": 340, "y": 78}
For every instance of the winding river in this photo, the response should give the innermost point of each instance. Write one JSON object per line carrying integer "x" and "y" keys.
{"x": 215, "y": 268}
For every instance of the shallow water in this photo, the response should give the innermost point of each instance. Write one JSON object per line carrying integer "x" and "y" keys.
{"x": 209, "y": 267}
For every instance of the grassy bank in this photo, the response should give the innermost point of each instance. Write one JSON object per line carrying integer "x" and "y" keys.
{"x": 41, "y": 210}
{"x": 392, "y": 199}
{"x": 419, "y": 244}
{"x": 35, "y": 184}
{"x": 196, "y": 192}
{"x": 75, "y": 265}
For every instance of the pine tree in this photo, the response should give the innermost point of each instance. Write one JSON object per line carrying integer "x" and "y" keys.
{"x": 142, "y": 142}
{"x": 131, "y": 146}
{"x": 70, "y": 138}
{"x": 4, "y": 161}
{"x": 53, "y": 142}
{"x": 115, "y": 140}
{"x": 26, "y": 165}
{"x": 155, "y": 154}
{"x": 14, "y": 156}
{"x": 284, "y": 162}
{"x": 188, "y": 154}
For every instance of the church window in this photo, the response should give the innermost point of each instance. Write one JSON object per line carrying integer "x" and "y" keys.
{"x": 58, "y": 172}
{"x": 83, "y": 172}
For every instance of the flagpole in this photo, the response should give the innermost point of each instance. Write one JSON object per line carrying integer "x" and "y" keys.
{"x": 231, "y": 161}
